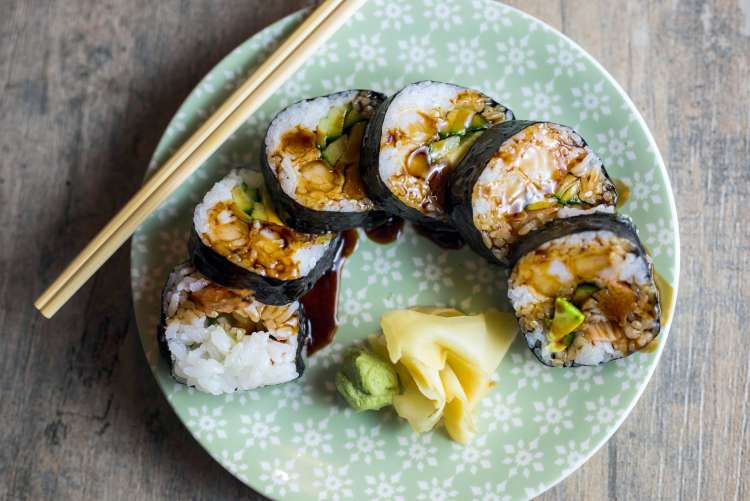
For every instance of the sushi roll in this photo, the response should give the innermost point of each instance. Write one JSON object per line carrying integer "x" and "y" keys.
{"x": 583, "y": 291}
{"x": 238, "y": 241}
{"x": 221, "y": 340}
{"x": 519, "y": 176}
{"x": 415, "y": 140}
{"x": 310, "y": 161}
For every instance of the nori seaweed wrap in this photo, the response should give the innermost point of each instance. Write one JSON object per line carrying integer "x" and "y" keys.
{"x": 583, "y": 291}
{"x": 238, "y": 241}
{"x": 310, "y": 161}
{"x": 518, "y": 176}
{"x": 415, "y": 140}
{"x": 221, "y": 340}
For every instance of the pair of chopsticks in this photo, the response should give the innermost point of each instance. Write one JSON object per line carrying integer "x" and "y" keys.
{"x": 323, "y": 22}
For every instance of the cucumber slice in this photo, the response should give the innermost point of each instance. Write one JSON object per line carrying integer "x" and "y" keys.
{"x": 583, "y": 292}
{"x": 252, "y": 203}
{"x": 439, "y": 150}
{"x": 331, "y": 126}
{"x": 333, "y": 152}
{"x": 455, "y": 155}
{"x": 542, "y": 204}
{"x": 478, "y": 122}
{"x": 566, "y": 319}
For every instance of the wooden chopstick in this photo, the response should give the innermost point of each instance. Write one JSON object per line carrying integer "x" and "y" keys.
{"x": 325, "y": 20}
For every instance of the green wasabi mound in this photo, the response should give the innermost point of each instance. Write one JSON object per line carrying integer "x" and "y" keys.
{"x": 366, "y": 381}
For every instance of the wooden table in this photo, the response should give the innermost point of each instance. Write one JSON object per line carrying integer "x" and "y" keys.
{"x": 87, "y": 88}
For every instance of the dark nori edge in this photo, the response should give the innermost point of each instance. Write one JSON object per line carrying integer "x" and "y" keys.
{"x": 620, "y": 225}
{"x": 267, "y": 290}
{"x": 304, "y": 219}
{"x": 471, "y": 167}
{"x": 303, "y": 336}
{"x": 375, "y": 186}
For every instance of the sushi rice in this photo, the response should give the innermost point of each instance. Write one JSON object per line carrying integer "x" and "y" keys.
{"x": 221, "y": 340}
{"x": 620, "y": 314}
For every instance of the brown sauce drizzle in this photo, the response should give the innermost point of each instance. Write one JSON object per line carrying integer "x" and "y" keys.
{"x": 623, "y": 192}
{"x": 321, "y": 301}
{"x": 447, "y": 239}
{"x": 666, "y": 302}
{"x": 387, "y": 232}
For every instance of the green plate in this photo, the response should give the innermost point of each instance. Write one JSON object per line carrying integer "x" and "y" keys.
{"x": 298, "y": 440}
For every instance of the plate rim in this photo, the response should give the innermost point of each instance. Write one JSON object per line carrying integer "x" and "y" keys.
{"x": 252, "y": 482}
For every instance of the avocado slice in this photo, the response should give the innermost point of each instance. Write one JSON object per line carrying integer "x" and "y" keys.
{"x": 583, "y": 292}
{"x": 478, "y": 122}
{"x": 563, "y": 344}
{"x": 441, "y": 149}
{"x": 331, "y": 126}
{"x": 333, "y": 152}
{"x": 244, "y": 201}
{"x": 567, "y": 318}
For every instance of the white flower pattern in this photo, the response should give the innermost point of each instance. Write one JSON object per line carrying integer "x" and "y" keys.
{"x": 523, "y": 458}
{"x": 365, "y": 444}
{"x": 382, "y": 487}
{"x": 332, "y": 482}
{"x": 541, "y": 101}
{"x": 516, "y": 56}
{"x": 466, "y": 56}
{"x": 417, "y": 54}
{"x": 207, "y": 423}
{"x": 417, "y": 451}
{"x": 592, "y": 101}
{"x": 261, "y": 429}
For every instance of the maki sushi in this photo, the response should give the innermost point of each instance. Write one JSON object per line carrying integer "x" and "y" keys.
{"x": 415, "y": 140}
{"x": 221, "y": 340}
{"x": 238, "y": 241}
{"x": 583, "y": 291}
{"x": 519, "y": 176}
{"x": 310, "y": 161}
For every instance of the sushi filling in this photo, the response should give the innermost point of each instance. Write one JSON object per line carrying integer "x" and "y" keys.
{"x": 541, "y": 173}
{"x": 585, "y": 299}
{"x": 427, "y": 130}
{"x": 313, "y": 148}
{"x": 236, "y": 219}
{"x": 221, "y": 340}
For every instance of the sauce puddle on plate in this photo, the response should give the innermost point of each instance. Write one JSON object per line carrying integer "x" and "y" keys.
{"x": 321, "y": 301}
{"x": 666, "y": 303}
{"x": 623, "y": 192}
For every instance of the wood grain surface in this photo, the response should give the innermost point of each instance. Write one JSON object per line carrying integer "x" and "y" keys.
{"x": 86, "y": 89}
